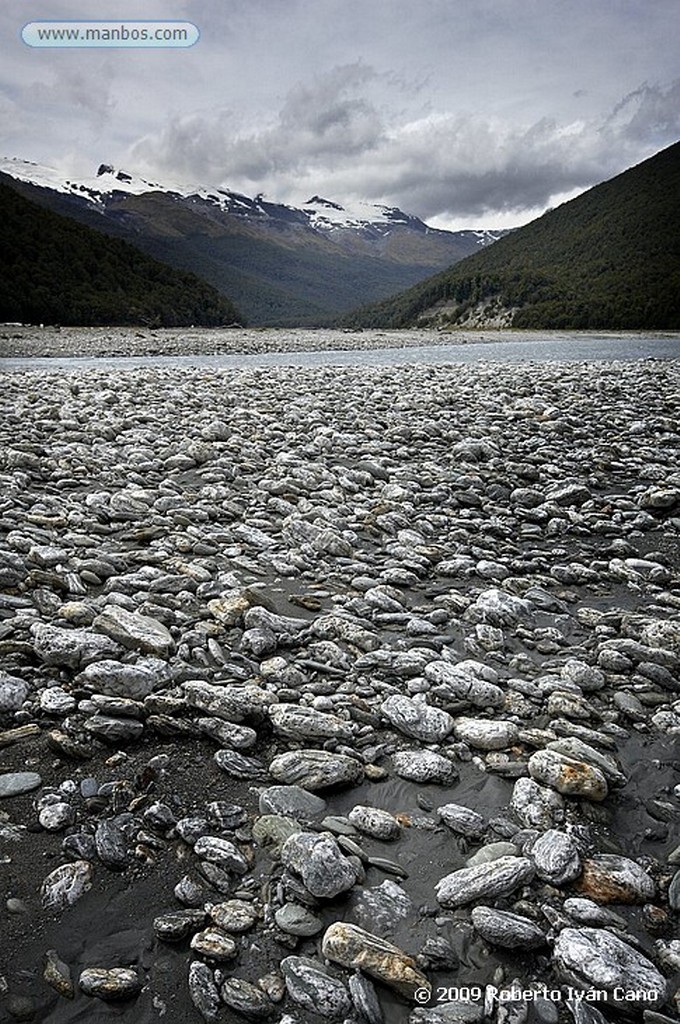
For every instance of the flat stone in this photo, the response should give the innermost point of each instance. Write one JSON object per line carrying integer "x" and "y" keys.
{"x": 486, "y": 734}
{"x": 233, "y": 703}
{"x": 117, "y": 679}
{"x": 293, "y": 801}
{"x": 16, "y": 783}
{"x": 463, "y": 682}
{"x": 135, "y": 631}
{"x": 72, "y": 648}
{"x": 497, "y": 878}
{"x": 593, "y": 956}
{"x": 462, "y": 820}
{"x": 304, "y": 723}
{"x": 355, "y": 948}
{"x": 609, "y": 878}
{"x": 373, "y": 821}
{"x": 501, "y": 928}
{"x": 424, "y": 766}
{"x": 417, "y": 719}
{"x": 567, "y": 775}
{"x": 297, "y": 920}
{"x": 246, "y": 999}
{"x": 316, "y": 769}
{"x": 110, "y": 983}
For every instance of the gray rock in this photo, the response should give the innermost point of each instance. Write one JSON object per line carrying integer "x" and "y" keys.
{"x": 609, "y": 878}
{"x": 247, "y": 1000}
{"x": 238, "y": 737}
{"x": 499, "y": 608}
{"x": 55, "y": 701}
{"x": 593, "y": 956}
{"x": 114, "y": 730}
{"x": 56, "y": 817}
{"x": 304, "y": 723}
{"x": 214, "y": 944}
{"x": 222, "y": 852}
{"x": 66, "y": 884}
{"x": 293, "y": 801}
{"x": 16, "y": 783}
{"x": 501, "y": 928}
{"x": 365, "y": 999}
{"x": 319, "y": 861}
{"x": 587, "y": 677}
{"x": 417, "y": 719}
{"x": 316, "y": 769}
{"x": 235, "y": 916}
{"x": 72, "y": 648}
{"x": 424, "y": 766}
{"x": 13, "y": 692}
{"x": 271, "y": 831}
{"x": 297, "y": 920}
{"x": 315, "y": 988}
{"x": 536, "y": 806}
{"x": 568, "y": 775}
{"x": 111, "y": 843}
{"x": 462, "y": 820}
{"x": 380, "y": 908}
{"x": 497, "y": 878}
{"x": 117, "y": 679}
{"x": 178, "y": 924}
{"x": 135, "y": 631}
{"x": 556, "y": 858}
{"x": 233, "y": 703}
{"x": 375, "y": 822}
{"x": 203, "y": 991}
{"x": 57, "y": 974}
{"x": 463, "y": 682}
{"x": 492, "y": 851}
{"x": 674, "y": 892}
{"x": 486, "y": 734}
{"x": 110, "y": 983}
{"x": 352, "y": 947}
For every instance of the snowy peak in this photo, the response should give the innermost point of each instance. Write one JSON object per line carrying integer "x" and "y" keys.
{"x": 110, "y": 184}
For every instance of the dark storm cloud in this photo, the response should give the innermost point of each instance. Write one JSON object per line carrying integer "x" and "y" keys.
{"x": 452, "y": 109}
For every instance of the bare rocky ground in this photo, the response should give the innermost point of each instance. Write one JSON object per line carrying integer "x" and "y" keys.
{"x": 20, "y": 342}
{"x": 340, "y": 693}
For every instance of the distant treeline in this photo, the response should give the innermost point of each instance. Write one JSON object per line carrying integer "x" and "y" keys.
{"x": 608, "y": 259}
{"x": 58, "y": 271}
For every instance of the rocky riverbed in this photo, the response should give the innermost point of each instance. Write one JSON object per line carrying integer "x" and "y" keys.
{"x": 341, "y": 693}
{"x": 92, "y": 342}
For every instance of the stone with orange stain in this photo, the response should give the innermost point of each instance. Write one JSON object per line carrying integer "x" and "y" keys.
{"x": 608, "y": 878}
{"x": 567, "y": 775}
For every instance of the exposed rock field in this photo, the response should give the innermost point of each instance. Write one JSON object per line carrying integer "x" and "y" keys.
{"x": 340, "y": 693}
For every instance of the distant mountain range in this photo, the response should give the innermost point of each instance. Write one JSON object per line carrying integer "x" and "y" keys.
{"x": 279, "y": 264}
{"x": 608, "y": 259}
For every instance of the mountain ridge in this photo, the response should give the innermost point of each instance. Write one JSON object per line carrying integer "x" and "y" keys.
{"x": 610, "y": 258}
{"x": 281, "y": 265}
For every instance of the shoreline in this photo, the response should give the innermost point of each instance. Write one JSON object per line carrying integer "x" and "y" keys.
{"x": 89, "y": 342}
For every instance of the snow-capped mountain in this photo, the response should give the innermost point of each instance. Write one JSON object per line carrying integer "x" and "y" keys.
{"x": 279, "y": 263}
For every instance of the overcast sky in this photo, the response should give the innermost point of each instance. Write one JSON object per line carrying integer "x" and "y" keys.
{"x": 467, "y": 113}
